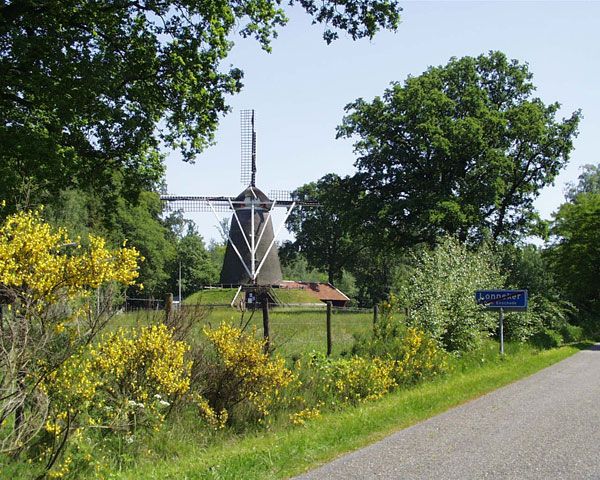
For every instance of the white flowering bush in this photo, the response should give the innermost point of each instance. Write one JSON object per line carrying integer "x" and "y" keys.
{"x": 440, "y": 294}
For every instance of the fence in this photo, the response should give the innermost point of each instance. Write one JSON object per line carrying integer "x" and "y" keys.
{"x": 135, "y": 304}
{"x": 293, "y": 330}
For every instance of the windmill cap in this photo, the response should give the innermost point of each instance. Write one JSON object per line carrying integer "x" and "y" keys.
{"x": 253, "y": 192}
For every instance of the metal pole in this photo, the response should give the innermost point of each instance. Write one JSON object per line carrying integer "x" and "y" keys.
{"x": 253, "y": 181}
{"x": 328, "y": 329}
{"x": 252, "y": 250}
{"x": 501, "y": 331}
{"x": 237, "y": 219}
{"x": 265, "y": 224}
{"x": 236, "y": 295}
{"x": 231, "y": 241}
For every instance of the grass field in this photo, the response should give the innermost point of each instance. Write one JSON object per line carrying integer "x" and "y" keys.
{"x": 294, "y": 330}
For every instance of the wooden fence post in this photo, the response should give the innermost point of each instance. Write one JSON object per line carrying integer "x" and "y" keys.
{"x": 168, "y": 308}
{"x": 375, "y": 313}
{"x": 265, "y": 310}
{"x": 328, "y": 329}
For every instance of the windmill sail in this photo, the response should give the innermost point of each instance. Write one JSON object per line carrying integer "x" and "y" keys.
{"x": 251, "y": 256}
{"x": 248, "y": 153}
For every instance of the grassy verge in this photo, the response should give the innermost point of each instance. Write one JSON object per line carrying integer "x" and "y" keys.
{"x": 286, "y": 451}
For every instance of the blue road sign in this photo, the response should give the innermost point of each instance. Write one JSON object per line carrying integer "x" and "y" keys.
{"x": 505, "y": 299}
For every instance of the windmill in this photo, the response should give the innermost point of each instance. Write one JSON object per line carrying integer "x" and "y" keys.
{"x": 251, "y": 258}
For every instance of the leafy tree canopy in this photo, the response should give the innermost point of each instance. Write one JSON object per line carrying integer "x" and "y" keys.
{"x": 295, "y": 267}
{"x": 526, "y": 267}
{"x": 140, "y": 225}
{"x": 197, "y": 269}
{"x": 88, "y": 89}
{"x": 322, "y": 233}
{"x": 589, "y": 182}
{"x": 575, "y": 256}
{"x": 335, "y": 238}
{"x": 462, "y": 149}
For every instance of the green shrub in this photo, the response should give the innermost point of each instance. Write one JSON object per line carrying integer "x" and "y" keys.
{"x": 571, "y": 333}
{"x": 521, "y": 326}
{"x": 547, "y": 338}
{"x": 590, "y": 323}
{"x": 542, "y": 313}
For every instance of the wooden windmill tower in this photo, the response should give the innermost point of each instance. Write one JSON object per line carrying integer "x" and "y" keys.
{"x": 251, "y": 257}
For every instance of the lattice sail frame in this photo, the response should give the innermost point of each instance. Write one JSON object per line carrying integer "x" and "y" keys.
{"x": 248, "y": 148}
{"x": 193, "y": 203}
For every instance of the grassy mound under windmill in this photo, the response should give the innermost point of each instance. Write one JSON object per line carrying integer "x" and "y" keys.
{"x": 224, "y": 296}
{"x": 211, "y": 296}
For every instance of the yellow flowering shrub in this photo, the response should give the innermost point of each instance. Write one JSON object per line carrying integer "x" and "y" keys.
{"x": 419, "y": 357}
{"x": 33, "y": 262}
{"x": 351, "y": 380}
{"x": 46, "y": 280}
{"x": 215, "y": 420}
{"x": 141, "y": 372}
{"x": 62, "y": 469}
{"x": 86, "y": 456}
{"x": 301, "y": 417}
{"x": 72, "y": 389}
{"x": 414, "y": 354}
{"x": 391, "y": 306}
{"x": 242, "y": 372}
{"x": 127, "y": 380}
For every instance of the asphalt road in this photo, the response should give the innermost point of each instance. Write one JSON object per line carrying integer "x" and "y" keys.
{"x": 546, "y": 426}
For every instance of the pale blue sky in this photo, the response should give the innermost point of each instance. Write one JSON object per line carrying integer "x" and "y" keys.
{"x": 300, "y": 89}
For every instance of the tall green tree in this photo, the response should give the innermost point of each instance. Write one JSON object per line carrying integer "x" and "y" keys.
{"x": 88, "y": 89}
{"x": 575, "y": 254}
{"x": 140, "y": 224}
{"x": 295, "y": 267}
{"x": 462, "y": 149}
{"x": 193, "y": 258}
{"x": 526, "y": 267}
{"x": 377, "y": 272}
{"x": 115, "y": 218}
{"x": 322, "y": 234}
{"x": 589, "y": 182}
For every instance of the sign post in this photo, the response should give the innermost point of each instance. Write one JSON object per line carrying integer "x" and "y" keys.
{"x": 503, "y": 301}
{"x": 501, "y": 331}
